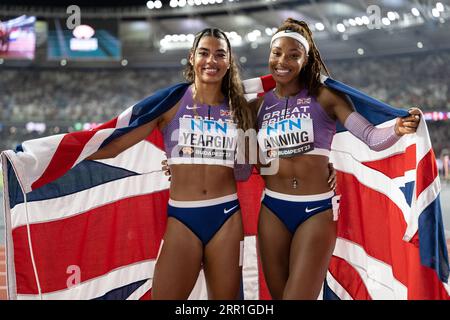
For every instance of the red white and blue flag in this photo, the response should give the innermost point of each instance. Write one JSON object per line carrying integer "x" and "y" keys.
{"x": 79, "y": 229}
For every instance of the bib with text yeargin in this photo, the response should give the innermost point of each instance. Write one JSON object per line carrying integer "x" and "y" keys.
{"x": 211, "y": 139}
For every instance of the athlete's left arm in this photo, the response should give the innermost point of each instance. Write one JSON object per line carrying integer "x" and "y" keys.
{"x": 341, "y": 108}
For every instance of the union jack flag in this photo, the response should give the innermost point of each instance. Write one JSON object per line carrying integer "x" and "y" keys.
{"x": 79, "y": 229}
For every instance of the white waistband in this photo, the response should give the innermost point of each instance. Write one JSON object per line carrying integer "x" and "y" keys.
{"x": 302, "y": 198}
{"x": 314, "y": 152}
{"x": 203, "y": 203}
{"x": 319, "y": 152}
{"x": 219, "y": 162}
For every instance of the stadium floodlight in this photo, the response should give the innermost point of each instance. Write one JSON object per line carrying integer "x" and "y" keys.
{"x": 181, "y": 3}
{"x": 360, "y": 51}
{"x": 359, "y": 21}
{"x": 386, "y": 21}
{"x": 419, "y": 45}
{"x": 190, "y": 37}
{"x": 150, "y": 5}
{"x": 158, "y": 4}
{"x": 391, "y": 15}
{"x": 435, "y": 12}
{"x": 440, "y": 6}
{"x": 340, "y": 27}
{"x": 365, "y": 20}
{"x": 252, "y": 37}
{"x": 320, "y": 26}
{"x": 352, "y": 22}
{"x": 415, "y": 12}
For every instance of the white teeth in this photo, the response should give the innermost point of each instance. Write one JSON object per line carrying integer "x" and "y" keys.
{"x": 282, "y": 70}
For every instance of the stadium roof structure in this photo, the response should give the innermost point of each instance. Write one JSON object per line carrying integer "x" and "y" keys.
{"x": 344, "y": 29}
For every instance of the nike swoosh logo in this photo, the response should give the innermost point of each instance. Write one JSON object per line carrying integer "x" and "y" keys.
{"x": 307, "y": 210}
{"x": 274, "y": 105}
{"x": 228, "y": 210}
{"x": 192, "y": 108}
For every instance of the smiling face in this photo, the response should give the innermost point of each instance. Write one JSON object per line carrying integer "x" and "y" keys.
{"x": 287, "y": 58}
{"x": 211, "y": 59}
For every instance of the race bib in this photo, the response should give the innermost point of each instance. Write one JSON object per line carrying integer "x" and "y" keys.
{"x": 286, "y": 138}
{"x": 213, "y": 139}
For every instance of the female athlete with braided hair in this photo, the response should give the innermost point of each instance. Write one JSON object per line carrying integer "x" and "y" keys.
{"x": 297, "y": 228}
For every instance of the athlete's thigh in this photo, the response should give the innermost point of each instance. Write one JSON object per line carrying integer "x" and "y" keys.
{"x": 222, "y": 260}
{"x": 274, "y": 241}
{"x": 311, "y": 250}
{"x": 178, "y": 264}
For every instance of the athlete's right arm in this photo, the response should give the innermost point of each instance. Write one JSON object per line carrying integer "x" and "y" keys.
{"x": 124, "y": 142}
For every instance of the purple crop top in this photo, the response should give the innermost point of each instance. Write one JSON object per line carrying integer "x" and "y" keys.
{"x": 294, "y": 125}
{"x": 200, "y": 134}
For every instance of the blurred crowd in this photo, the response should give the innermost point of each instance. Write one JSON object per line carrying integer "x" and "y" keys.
{"x": 87, "y": 95}
{"x": 401, "y": 81}
{"x": 60, "y": 97}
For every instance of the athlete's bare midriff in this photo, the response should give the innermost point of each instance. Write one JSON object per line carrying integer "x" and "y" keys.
{"x": 191, "y": 182}
{"x": 310, "y": 171}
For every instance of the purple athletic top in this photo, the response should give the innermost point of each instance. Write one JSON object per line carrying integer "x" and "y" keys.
{"x": 294, "y": 125}
{"x": 200, "y": 134}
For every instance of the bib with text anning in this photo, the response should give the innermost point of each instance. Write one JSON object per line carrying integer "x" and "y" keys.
{"x": 286, "y": 138}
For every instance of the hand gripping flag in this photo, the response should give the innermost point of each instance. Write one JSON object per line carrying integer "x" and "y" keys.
{"x": 391, "y": 242}
{"x": 80, "y": 229}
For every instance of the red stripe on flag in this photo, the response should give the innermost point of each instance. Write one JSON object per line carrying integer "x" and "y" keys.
{"x": 68, "y": 151}
{"x": 426, "y": 172}
{"x": 348, "y": 278}
{"x": 396, "y": 165}
{"x": 98, "y": 241}
{"x": 156, "y": 138}
{"x": 249, "y": 193}
{"x": 371, "y": 220}
{"x": 107, "y": 125}
{"x": 147, "y": 295}
{"x": 268, "y": 82}
{"x": 374, "y": 222}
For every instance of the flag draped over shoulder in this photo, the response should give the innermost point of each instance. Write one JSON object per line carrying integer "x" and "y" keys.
{"x": 87, "y": 229}
{"x": 79, "y": 229}
{"x": 391, "y": 242}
